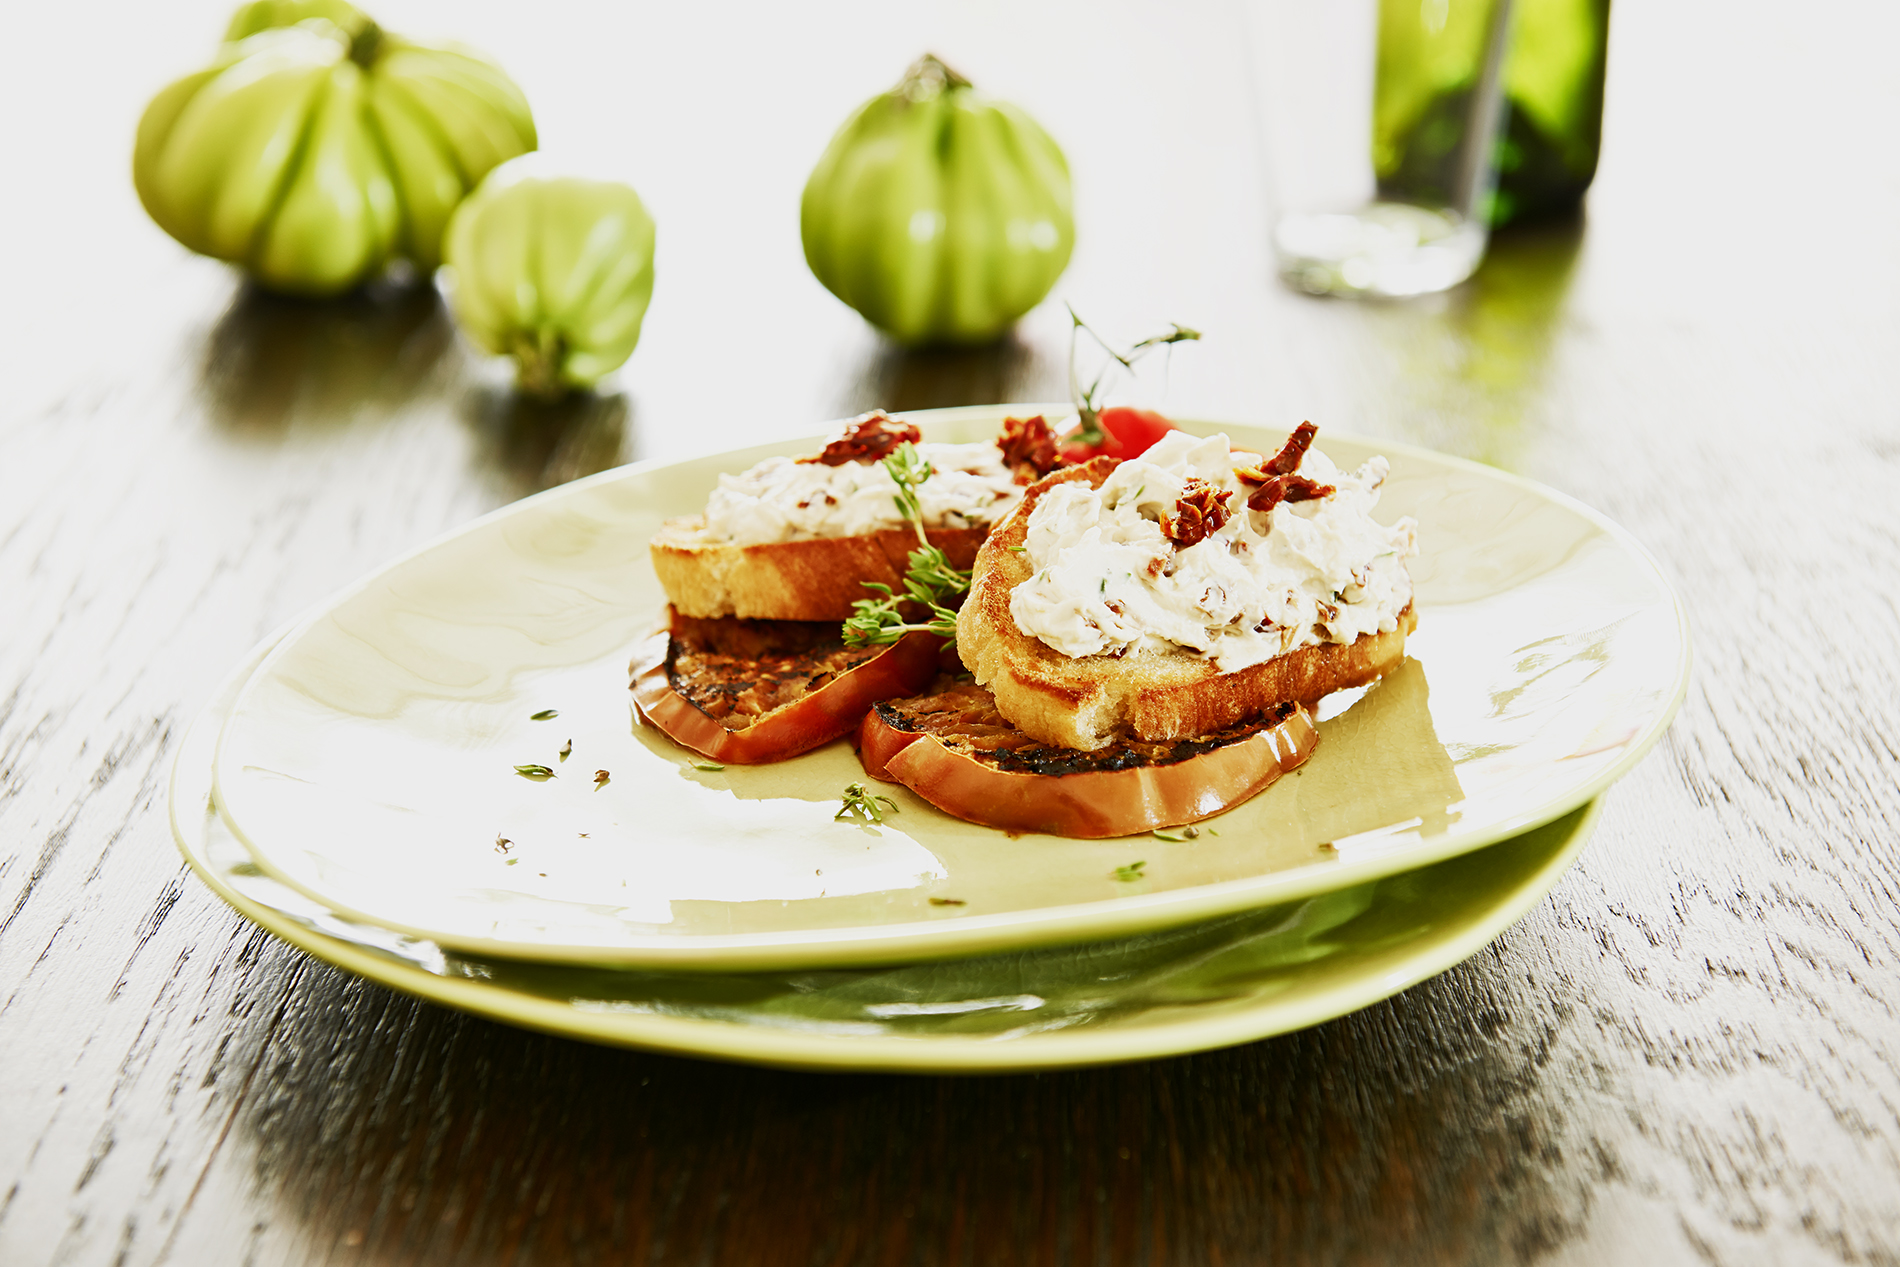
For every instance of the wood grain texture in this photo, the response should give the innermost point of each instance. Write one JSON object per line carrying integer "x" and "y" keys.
{"x": 1689, "y": 1054}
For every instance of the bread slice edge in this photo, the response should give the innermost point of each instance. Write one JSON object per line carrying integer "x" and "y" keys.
{"x": 818, "y": 578}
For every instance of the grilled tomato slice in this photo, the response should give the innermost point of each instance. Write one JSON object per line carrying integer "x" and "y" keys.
{"x": 954, "y": 749}
{"x": 751, "y": 691}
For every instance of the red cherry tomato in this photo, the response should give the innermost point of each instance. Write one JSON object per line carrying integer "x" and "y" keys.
{"x": 1126, "y": 433}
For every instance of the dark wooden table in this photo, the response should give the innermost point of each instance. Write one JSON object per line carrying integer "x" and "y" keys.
{"x": 1689, "y": 1053}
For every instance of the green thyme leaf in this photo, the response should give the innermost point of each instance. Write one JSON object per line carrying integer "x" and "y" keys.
{"x": 929, "y": 579}
{"x": 1132, "y": 871}
{"x": 711, "y": 767}
{"x": 908, "y": 469}
{"x": 864, "y": 805}
{"x": 1170, "y": 837}
{"x": 546, "y": 714}
{"x": 567, "y": 750}
{"x": 534, "y": 772}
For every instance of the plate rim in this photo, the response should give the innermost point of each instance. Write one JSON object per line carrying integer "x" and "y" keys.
{"x": 975, "y": 934}
{"x": 745, "y": 1043}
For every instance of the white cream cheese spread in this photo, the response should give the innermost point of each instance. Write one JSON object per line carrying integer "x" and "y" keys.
{"x": 783, "y": 499}
{"x": 1109, "y": 580}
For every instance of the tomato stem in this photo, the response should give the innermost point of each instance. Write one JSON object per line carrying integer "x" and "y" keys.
{"x": 1087, "y": 404}
{"x": 365, "y": 44}
{"x": 538, "y": 358}
{"x": 928, "y": 78}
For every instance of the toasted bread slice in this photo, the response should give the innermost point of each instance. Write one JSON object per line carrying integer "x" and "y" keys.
{"x": 815, "y": 579}
{"x": 1087, "y": 702}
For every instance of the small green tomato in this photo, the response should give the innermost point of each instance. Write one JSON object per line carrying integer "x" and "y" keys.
{"x": 317, "y": 147}
{"x": 940, "y": 215}
{"x": 554, "y": 271}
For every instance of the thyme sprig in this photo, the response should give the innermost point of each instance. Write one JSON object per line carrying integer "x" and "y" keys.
{"x": 929, "y": 579}
{"x": 863, "y": 804}
{"x": 1088, "y": 400}
{"x": 908, "y": 470}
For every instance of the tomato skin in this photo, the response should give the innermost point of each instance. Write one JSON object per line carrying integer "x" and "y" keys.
{"x": 1126, "y": 433}
{"x": 1090, "y": 805}
{"x": 903, "y": 668}
{"x": 877, "y": 742}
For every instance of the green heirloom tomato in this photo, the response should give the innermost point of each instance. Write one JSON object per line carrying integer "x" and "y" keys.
{"x": 553, "y": 271}
{"x": 268, "y": 15}
{"x": 317, "y": 147}
{"x": 939, "y": 215}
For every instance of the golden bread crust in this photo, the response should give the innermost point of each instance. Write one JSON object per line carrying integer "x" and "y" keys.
{"x": 1085, "y": 702}
{"x": 816, "y": 579}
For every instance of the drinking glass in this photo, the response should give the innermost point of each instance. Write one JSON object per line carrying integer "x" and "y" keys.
{"x": 1379, "y": 124}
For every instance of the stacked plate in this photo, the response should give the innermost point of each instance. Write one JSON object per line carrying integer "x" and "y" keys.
{"x": 356, "y": 789}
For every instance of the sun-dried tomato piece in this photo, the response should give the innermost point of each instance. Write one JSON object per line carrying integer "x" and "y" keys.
{"x": 1029, "y": 448}
{"x": 1287, "y": 488}
{"x": 1276, "y": 477}
{"x": 1293, "y": 452}
{"x": 1198, "y": 514}
{"x": 870, "y": 438}
{"x": 1286, "y": 461}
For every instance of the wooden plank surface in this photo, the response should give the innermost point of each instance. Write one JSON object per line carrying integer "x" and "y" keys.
{"x": 1689, "y": 1053}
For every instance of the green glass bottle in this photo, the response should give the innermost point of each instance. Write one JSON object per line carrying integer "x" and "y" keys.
{"x": 1430, "y": 64}
{"x": 1553, "y": 87}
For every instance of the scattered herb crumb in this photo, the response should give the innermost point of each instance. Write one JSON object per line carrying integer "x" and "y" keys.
{"x": 534, "y": 772}
{"x": 567, "y": 750}
{"x": 546, "y": 714}
{"x": 948, "y": 901}
{"x": 503, "y": 844}
{"x": 1133, "y": 870}
{"x": 862, "y": 804}
{"x": 511, "y": 862}
{"x": 1213, "y": 831}
{"x": 600, "y": 779}
{"x": 711, "y": 767}
{"x": 1190, "y": 831}
{"x": 1173, "y": 838}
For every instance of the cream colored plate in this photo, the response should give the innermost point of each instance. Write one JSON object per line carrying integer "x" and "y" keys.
{"x": 369, "y": 761}
{"x": 1229, "y": 980}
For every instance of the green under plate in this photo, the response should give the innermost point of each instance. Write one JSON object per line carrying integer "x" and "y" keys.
{"x": 1212, "y": 984}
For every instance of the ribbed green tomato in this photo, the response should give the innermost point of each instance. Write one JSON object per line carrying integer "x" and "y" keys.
{"x": 317, "y": 147}
{"x": 939, "y": 215}
{"x": 553, "y": 271}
